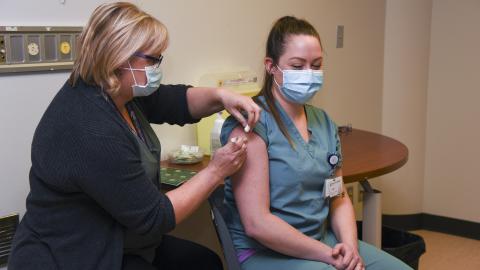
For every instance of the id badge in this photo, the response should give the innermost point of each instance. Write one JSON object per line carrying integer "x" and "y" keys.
{"x": 333, "y": 187}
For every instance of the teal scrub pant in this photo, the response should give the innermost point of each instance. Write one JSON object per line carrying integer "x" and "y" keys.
{"x": 374, "y": 259}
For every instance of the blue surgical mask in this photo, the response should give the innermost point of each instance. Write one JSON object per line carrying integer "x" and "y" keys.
{"x": 299, "y": 86}
{"x": 154, "y": 76}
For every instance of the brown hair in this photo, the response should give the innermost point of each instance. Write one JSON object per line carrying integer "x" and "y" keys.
{"x": 114, "y": 32}
{"x": 277, "y": 39}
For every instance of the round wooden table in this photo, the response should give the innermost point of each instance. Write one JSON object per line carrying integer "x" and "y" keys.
{"x": 367, "y": 154}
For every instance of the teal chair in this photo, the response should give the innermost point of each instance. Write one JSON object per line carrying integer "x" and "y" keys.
{"x": 218, "y": 214}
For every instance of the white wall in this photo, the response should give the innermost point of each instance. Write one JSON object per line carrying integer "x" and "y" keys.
{"x": 430, "y": 101}
{"x": 453, "y": 149}
{"x": 405, "y": 77}
{"x": 206, "y": 36}
{"x": 24, "y": 98}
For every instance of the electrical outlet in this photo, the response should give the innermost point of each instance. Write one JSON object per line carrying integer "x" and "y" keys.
{"x": 340, "y": 29}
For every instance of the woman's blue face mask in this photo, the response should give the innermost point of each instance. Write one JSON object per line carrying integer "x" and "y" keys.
{"x": 154, "y": 77}
{"x": 299, "y": 86}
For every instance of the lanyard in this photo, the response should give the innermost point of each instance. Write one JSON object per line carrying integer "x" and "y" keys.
{"x": 136, "y": 123}
{"x": 137, "y": 130}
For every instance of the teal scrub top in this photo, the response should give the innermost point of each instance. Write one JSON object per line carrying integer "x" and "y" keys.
{"x": 297, "y": 174}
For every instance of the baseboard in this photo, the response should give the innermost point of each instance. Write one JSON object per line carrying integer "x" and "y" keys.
{"x": 453, "y": 226}
{"x": 403, "y": 222}
{"x": 436, "y": 223}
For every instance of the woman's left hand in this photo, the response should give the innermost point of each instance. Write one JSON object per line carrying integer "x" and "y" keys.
{"x": 351, "y": 258}
{"x": 235, "y": 104}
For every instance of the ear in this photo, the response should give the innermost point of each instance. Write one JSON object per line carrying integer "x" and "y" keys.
{"x": 268, "y": 62}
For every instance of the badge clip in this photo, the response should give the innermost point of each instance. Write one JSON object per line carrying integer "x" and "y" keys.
{"x": 333, "y": 160}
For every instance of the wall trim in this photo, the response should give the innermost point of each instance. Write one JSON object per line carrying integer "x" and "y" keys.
{"x": 424, "y": 221}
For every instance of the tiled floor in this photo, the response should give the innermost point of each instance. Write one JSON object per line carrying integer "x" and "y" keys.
{"x": 448, "y": 252}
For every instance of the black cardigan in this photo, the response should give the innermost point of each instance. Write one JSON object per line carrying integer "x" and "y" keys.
{"x": 87, "y": 185}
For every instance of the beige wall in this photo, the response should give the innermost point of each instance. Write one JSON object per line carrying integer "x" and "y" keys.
{"x": 353, "y": 74}
{"x": 405, "y": 77}
{"x": 452, "y": 135}
{"x": 206, "y": 36}
{"x": 429, "y": 103}
{"x": 229, "y": 35}
{"x": 373, "y": 90}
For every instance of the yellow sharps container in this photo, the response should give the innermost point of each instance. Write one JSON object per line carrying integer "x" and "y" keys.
{"x": 244, "y": 83}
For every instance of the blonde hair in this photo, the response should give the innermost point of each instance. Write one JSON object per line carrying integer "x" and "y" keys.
{"x": 114, "y": 32}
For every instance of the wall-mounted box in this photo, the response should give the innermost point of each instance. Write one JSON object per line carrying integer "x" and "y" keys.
{"x": 241, "y": 82}
{"x": 37, "y": 48}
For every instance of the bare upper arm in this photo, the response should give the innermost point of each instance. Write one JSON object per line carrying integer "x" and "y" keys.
{"x": 251, "y": 183}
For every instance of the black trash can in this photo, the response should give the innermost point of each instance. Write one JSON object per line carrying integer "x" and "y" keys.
{"x": 406, "y": 246}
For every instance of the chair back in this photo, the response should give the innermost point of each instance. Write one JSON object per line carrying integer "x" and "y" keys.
{"x": 218, "y": 214}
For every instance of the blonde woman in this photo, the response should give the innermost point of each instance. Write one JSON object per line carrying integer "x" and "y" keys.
{"x": 94, "y": 200}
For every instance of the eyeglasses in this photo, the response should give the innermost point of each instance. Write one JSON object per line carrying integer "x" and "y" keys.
{"x": 156, "y": 60}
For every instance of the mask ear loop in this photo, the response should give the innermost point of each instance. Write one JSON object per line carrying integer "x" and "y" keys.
{"x": 274, "y": 80}
{"x": 133, "y": 75}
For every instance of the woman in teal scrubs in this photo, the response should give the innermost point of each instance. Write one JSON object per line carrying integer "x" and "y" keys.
{"x": 286, "y": 211}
